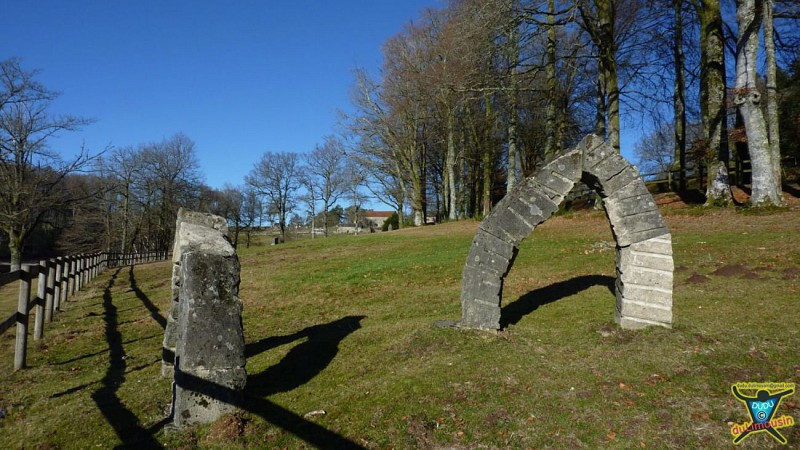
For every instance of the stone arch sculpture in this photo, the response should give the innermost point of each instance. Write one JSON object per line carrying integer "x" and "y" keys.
{"x": 643, "y": 243}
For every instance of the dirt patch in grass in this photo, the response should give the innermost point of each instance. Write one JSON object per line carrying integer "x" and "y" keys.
{"x": 735, "y": 270}
{"x": 227, "y": 429}
{"x": 791, "y": 273}
{"x": 697, "y": 278}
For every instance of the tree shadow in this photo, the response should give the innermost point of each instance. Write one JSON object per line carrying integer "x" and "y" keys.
{"x": 125, "y": 423}
{"x": 155, "y": 313}
{"x": 692, "y": 196}
{"x": 791, "y": 190}
{"x": 89, "y": 355}
{"x": 530, "y": 302}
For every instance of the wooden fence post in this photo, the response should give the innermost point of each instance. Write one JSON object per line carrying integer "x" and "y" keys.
{"x": 79, "y": 273}
{"x": 76, "y": 270}
{"x": 65, "y": 280}
{"x": 73, "y": 266}
{"x": 21, "y": 347}
{"x": 38, "y": 301}
{"x": 51, "y": 281}
{"x": 59, "y": 268}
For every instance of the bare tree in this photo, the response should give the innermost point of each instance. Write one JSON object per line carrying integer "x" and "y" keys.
{"x": 277, "y": 178}
{"x": 170, "y": 178}
{"x": 355, "y": 179}
{"x": 252, "y": 211}
{"x": 31, "y": 174}
{"x": 325, "y": 174}
{"x": 123, "y": 168}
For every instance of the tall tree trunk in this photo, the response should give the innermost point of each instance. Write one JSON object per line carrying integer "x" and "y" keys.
{"x": 612, "y": 88}
{"x": 679, "y": 97}
{"x": 600, "y": 116}
{"x": 125, "y": 212}
{"x": 15, "y": 243}
{"x": 608, "y": 66}
{"x": 488, "y": 158}
{"x": 452, "y": 193}
{"x": 513, "y": 170}
{"x": 550, "y": 70}
{"x": 712, "y": 102}
{"x": 513, "y": 156}
{"x": 773, "y": 118}
{"x": 402, "y": 194}
{"x": 417, "y": 194}
{"x": 766, "y": 188}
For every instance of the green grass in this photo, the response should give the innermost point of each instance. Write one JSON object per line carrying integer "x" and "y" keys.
{"x": 345, "y": 324}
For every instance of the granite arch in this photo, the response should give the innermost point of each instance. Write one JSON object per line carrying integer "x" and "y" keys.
{"x": 643, "y": 242}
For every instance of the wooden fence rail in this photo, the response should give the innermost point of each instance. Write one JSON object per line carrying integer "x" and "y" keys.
{"x": 57, "y": 279}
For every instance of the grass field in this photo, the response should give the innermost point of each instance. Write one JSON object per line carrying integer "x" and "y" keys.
{"x": 345, "y": 325}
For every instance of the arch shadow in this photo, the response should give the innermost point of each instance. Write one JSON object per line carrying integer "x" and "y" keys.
{"x": 513, "y": 312}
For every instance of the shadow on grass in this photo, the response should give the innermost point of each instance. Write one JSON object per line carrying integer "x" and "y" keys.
{"x": 155, "y": 313}
{"x": 791, "y": 190}
{"x": 530, "y": 302}
{"x": 89, "y": 355}
{"x": 301, "y": 364}
{"x": 84, "y": 386}
{"x": 304, "y": 361}
{"x": 298, "y": 367}
{"x": 692, "y": 196}
{"x": 125, "y": 423}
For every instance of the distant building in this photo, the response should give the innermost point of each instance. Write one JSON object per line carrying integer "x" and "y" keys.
{"x": 375, "y": 219}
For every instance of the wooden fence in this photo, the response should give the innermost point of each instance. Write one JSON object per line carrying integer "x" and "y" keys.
{"x": 57, "y": 279}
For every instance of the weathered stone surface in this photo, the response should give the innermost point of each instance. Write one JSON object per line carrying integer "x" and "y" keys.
{"x": 633, "y": 197}
{"x": 635, "y": 228}
{"x": 646, "y": 311}
{"x": 477, "y": 283}
{"x": 555, "y": 182}
{"x": 490, "y": 253}
{"x": 644, "y": 283}
{"x": 644, "y": 246}
{"x": 518, "y": 214}
{"x": 616, "y": 179}
{"x": 207, "y": 395}
{"x": 479, "y": 315}
{"x": 197, "y": 218}
{"x": 210, "y": 313}
{"x": 660, "y": 245}
{"x": 204, "y": 328}
{"x": 594, "y": 150}
{"x": 508, "y": 224}
{"x": 568, "y": 165}
{"x": 645, "y": 276}
{"x": 191, "y": 229}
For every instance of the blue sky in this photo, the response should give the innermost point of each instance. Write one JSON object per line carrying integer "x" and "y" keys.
{"x": 238, "y": 77}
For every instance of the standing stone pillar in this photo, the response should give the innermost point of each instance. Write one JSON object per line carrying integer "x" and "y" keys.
{"x": 209, "y": 351}
{"x": 171, "y": 330}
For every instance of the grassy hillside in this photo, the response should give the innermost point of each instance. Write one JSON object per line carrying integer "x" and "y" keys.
{"x": 345, "y": 325}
